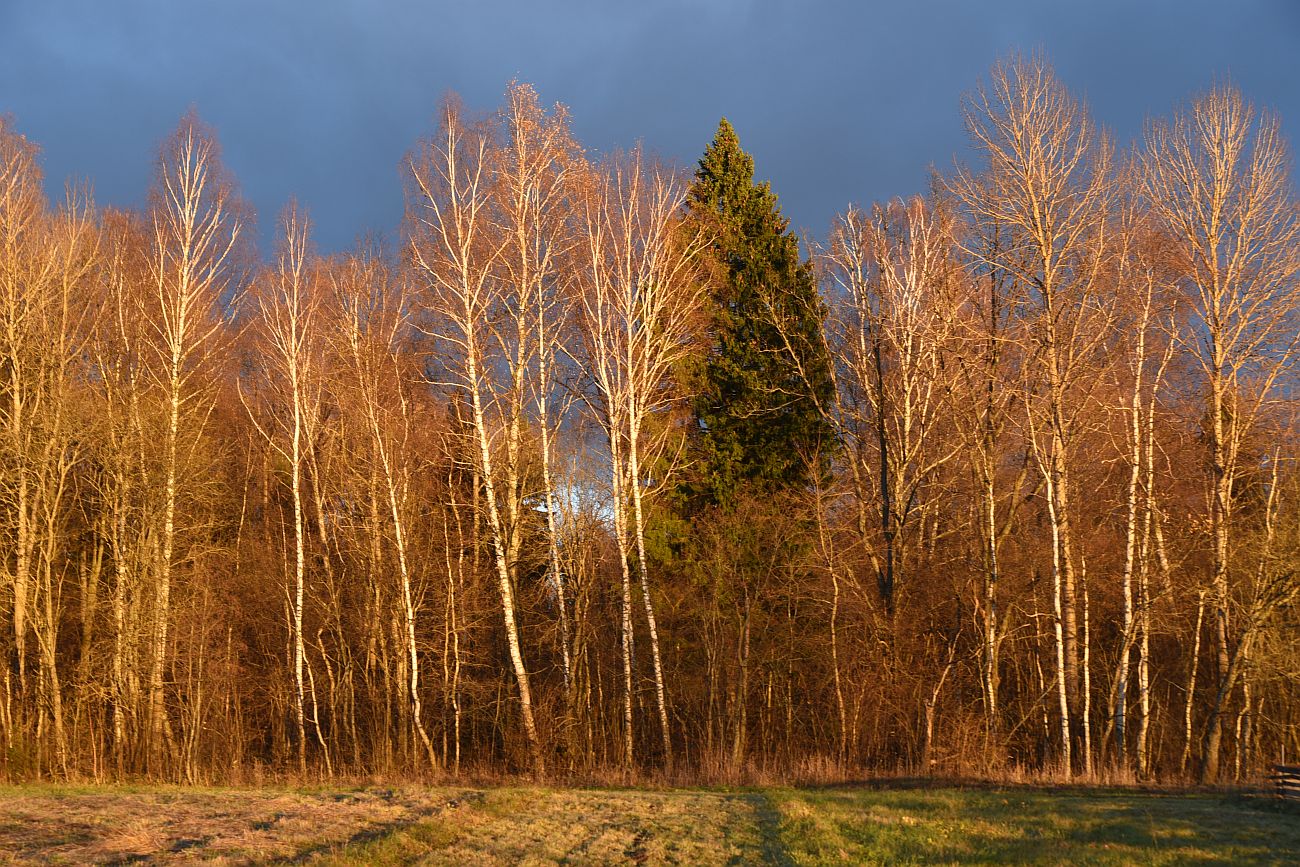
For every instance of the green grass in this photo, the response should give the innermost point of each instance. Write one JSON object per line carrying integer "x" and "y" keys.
{"x": 950, "y": 826}
{"x": 402, "y": 846}
{"x": 858, "y": 826}
{"x": 536, "y": 825}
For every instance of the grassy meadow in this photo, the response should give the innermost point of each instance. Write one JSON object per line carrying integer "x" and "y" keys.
{"x": 534, "y": 825}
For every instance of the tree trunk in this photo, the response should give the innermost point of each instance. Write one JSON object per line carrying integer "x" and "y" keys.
{"x": 661, "y": 700}
{"x": 502, "y": 567}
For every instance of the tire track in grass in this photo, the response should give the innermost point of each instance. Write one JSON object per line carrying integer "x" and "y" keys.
{"x": 768, "y": 820}
{"x": 419, "y": 816}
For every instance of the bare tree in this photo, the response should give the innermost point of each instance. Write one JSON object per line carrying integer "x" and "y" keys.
{"x": 289, "y": 337}
{"x": 24, "y": 274}
{"x": 639, "y": 302}
{"x": 1142, "y": 279}
{"x": 458, "y": 254}
{"x": 196, "y": 222}
{"x": 1048, "y": 187}
{"x": 532, "y": 177}
{"x": 897, "y": 299}
{"x": 45, "y": 308}
{"x": 373, "y": 329}
{"x": 987, "y": 350}
{"x": 1217, "y": 179}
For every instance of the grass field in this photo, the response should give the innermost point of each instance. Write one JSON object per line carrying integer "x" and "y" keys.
{"x": 70, "y": 825}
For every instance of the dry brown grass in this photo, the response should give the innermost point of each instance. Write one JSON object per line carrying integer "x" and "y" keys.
{"x": 105, "y": 826}
{"x": 545, "y": 826}
{"x": 522, "y": 825}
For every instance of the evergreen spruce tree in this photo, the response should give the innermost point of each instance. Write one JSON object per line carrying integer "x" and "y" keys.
{"x": 758, "y": 423}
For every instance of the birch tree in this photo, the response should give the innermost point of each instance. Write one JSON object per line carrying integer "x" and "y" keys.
{"x": 987, "y": 351}
{"x": 1047, "y": 186}
{"x": 1217, "y": 179}
{"x": 289, "y": 337}
{"x": 458, "y": 255}
{"x": 22, "y": 275}
{"x": 195, "y": 221}
{"x": 532, "y": 174}
{"x": 896, "y": 300}
{"x": 46, "y": 260}
{"x": 1142, "y": 278}
{"x": 373, "y": 329}
{"x": 638, "y": 304}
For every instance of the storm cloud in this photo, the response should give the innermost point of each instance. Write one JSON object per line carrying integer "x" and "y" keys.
{"x": 838, "y": 102}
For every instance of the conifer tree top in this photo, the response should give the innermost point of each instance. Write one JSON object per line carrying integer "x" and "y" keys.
{"x": 724, "y": 185}
{"x": 724, "y": 159}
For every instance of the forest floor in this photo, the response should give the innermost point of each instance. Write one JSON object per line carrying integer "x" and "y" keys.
{"x": 531, "y": 825}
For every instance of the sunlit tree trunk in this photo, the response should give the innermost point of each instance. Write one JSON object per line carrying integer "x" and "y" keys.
{"x": 374, "y": 326}
{"x": 289, "y": 327}
{"x": 25, "y": 277}
{"x": 532, "y": 186}
{"x": 1194, "y": 665}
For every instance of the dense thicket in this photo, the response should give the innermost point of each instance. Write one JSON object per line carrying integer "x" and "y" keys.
{"x": 420, "y": 510}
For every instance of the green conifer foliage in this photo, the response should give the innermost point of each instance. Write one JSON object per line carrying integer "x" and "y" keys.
{"x": 759, "y": 387}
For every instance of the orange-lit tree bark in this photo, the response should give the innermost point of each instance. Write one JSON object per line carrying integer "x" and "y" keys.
{"x": 1141, "y": 277}
{"x": 372, "y": 330}
{"x": 897, "y": 297}
{"x": 531, "y": 175}
{"x": 45, "y": 261}
{"x": 986, "y": 353}
{"x": 23, "y": 273}
{"x": 289, "y": 340}
{"x": 117, "y": 347}
{"x": 68, "y": 303}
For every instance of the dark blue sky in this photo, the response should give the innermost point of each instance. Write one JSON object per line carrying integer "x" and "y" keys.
{"x": 838, "y": 102}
